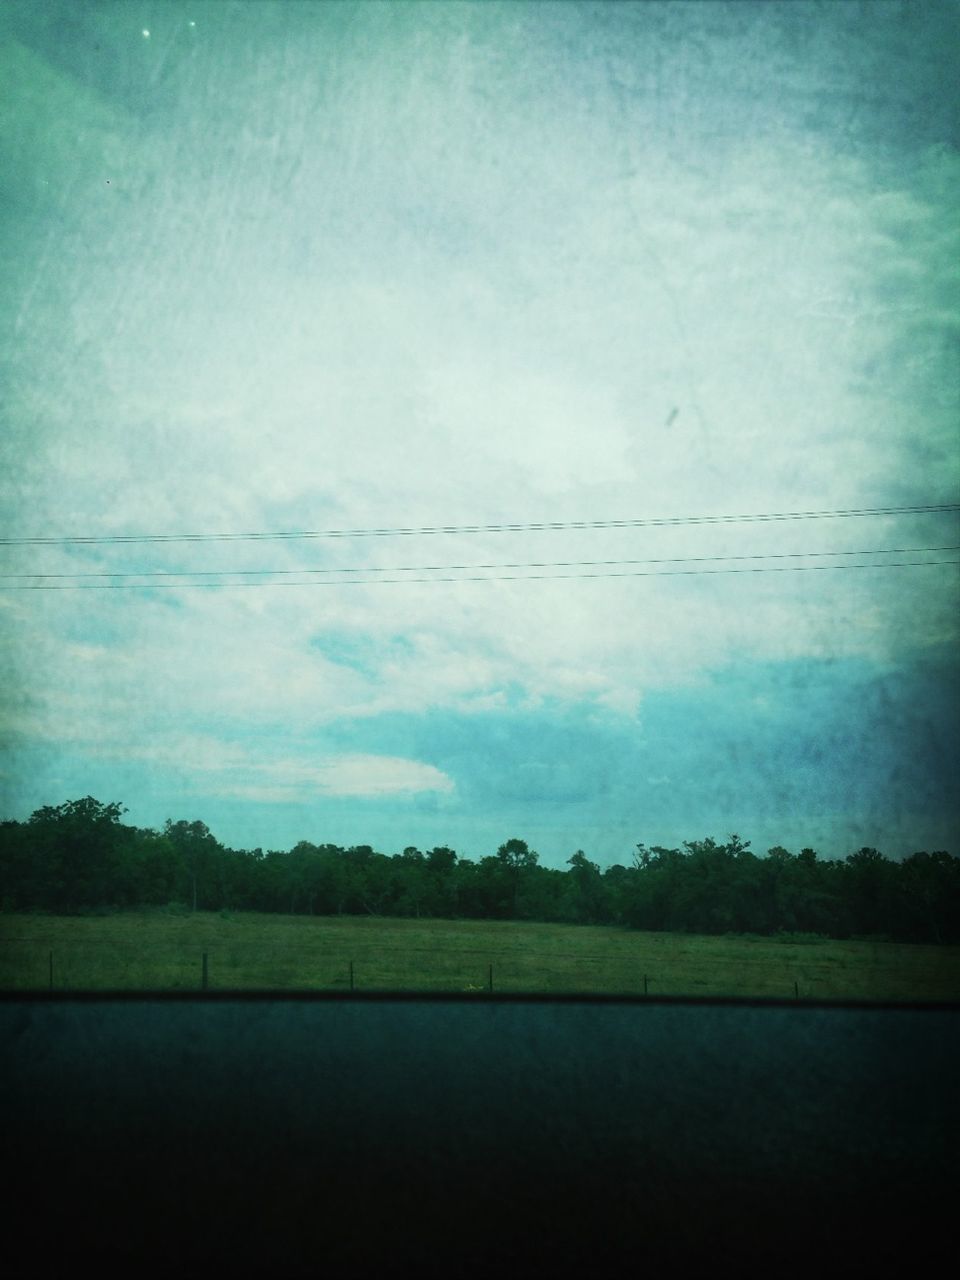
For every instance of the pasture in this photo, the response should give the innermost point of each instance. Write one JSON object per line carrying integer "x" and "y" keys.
{"x": 158, "y": 950}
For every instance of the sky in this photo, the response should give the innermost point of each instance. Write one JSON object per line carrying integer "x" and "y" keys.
{"x": 282, "y": 268}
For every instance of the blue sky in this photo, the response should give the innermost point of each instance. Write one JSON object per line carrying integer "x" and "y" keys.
{"x": 275, "y": 267}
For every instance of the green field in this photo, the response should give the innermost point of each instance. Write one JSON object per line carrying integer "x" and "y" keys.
{"x": 250, "y": 951}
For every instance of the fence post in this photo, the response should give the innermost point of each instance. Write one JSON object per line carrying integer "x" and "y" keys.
{"x": 351, "y": 975}
{"x": 491, "y": 977}
{"x": 796, "y": 990}
{"x": 203, "y": 980}
{"x": 51, "y": 970}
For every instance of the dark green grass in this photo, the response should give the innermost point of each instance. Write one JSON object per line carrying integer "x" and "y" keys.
{"x": 154, "y": 951}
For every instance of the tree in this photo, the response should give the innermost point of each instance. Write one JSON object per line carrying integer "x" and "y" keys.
{"x": 78, "y": 848}
{"x": 929, "y": 895}
{"x": 441, "y": 868}
{"x": 518, "y": 859}
{"x": 615, "y": 882}
{"x": 370, "y": 882}
{"x": 467, "y": 888}
{"x": 411, "y": 883}
{"x": 866, "y": 882}
{"x": 149, "y": 872}
{"x": 587, "y": 884}
{"x": 79, "y": 855}
{"x": 20, "y": 885}
{"x": 496, "y": 888}
{"x": 517, "y": 855}
{"x": 648, "y": 889}
{"x": 197, "y": 849}
{"x": 441, "y": 860}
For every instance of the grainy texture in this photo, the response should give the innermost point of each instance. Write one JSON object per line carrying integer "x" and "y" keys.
{"x": 445, "y": 1138}
{"x": 248, "y": 950}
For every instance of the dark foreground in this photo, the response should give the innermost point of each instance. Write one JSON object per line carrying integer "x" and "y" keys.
{"x": 396, "y": 1136}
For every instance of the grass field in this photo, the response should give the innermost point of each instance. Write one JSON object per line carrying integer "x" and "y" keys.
{"x": 250, "y": 951}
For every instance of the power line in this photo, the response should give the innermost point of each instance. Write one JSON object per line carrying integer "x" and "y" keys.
{"x": 531, "y": 577}
{"x": 444, "y": 568}
{"x": 548, "y": 526}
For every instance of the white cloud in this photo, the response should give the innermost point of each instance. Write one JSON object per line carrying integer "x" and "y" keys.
{"x": 364, "y": 775}
{"x": 228, "y": 768}
{"x": 451, "y": 287}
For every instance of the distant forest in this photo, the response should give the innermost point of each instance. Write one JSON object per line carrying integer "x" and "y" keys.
{"x": 80, "y": 857}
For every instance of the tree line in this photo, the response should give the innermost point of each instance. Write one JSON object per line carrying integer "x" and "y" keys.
{"x": 80, "y": 856}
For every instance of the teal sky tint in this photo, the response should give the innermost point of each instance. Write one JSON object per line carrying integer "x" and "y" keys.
{"x": 276, "y": 267}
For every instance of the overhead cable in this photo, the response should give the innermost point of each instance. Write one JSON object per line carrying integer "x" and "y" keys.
{"x": 519, "y": 527}
{"x": 531, "y": 577}
{"x": 451, "y": 568}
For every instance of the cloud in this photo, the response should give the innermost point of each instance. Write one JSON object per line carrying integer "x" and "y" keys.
{"x": 364, "y": 775}
{"x": 235, "y": 769}
{"x": 462, "y": 269}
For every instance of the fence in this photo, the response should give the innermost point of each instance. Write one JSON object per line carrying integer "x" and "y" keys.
{"x": 91, "y": 968}
{"x": 144, "y": 954}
